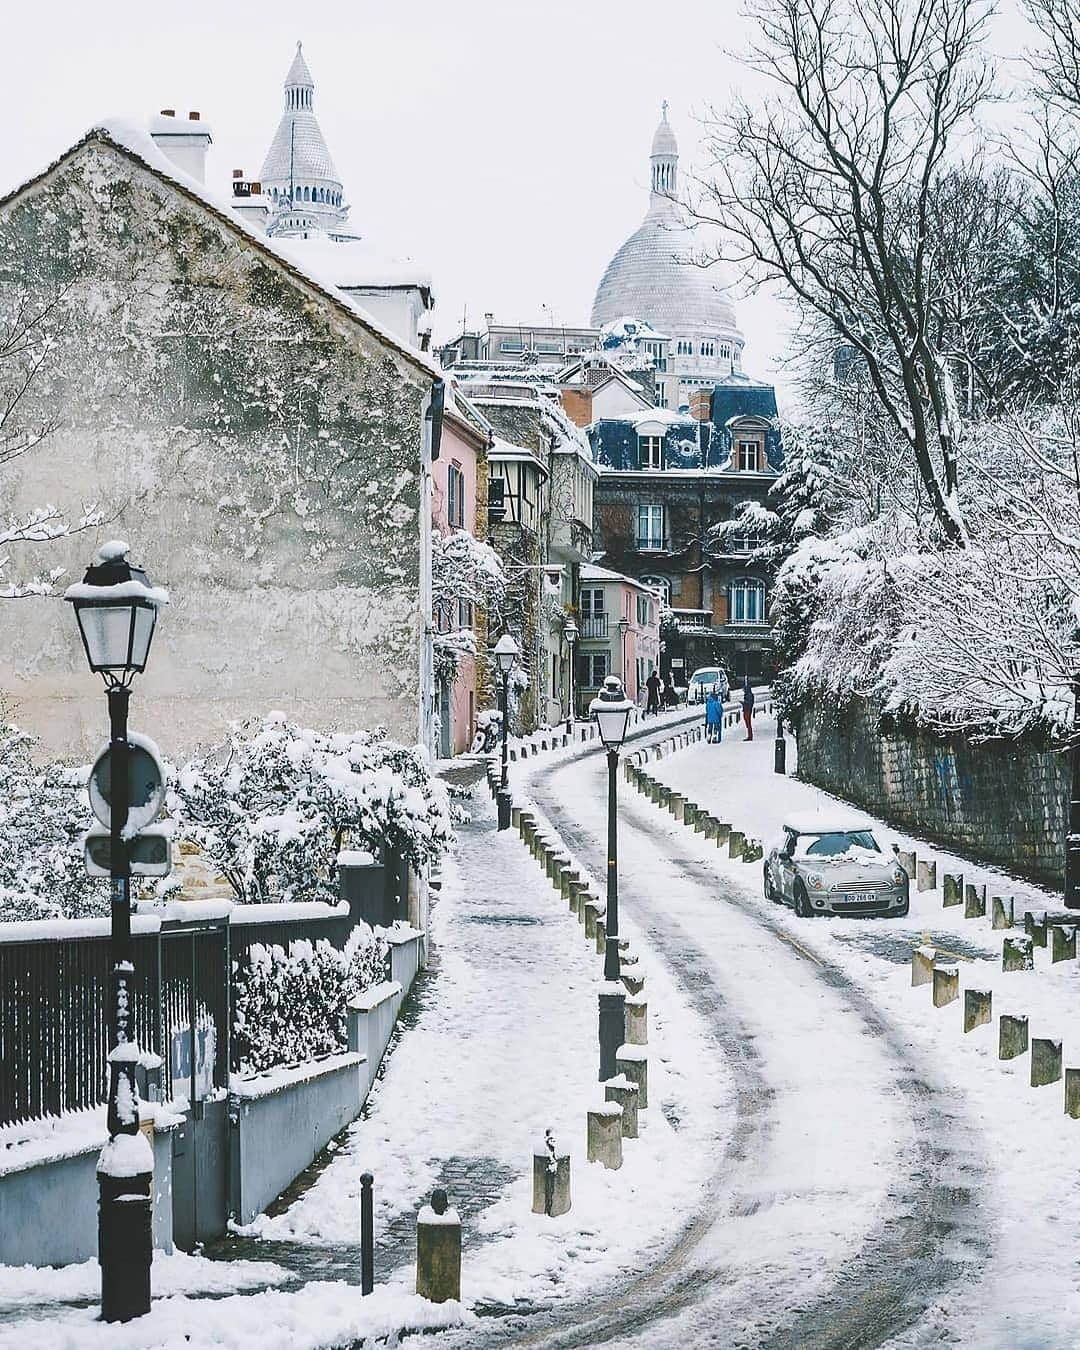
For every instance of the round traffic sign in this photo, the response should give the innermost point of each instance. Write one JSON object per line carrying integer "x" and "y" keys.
{"x": 146, "y": 784}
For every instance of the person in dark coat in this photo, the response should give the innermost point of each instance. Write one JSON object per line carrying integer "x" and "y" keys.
{"x": 714, "y": 717}
{"x": 748, "y": 708}
{"x": 652, "y": 685}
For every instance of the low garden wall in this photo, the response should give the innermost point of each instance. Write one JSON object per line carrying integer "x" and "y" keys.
{"x": 1003, "y": 801}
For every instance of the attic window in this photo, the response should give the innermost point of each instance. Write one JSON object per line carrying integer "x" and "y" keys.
{"x": 748, "y": 457}
{"x": 651, "y": 452}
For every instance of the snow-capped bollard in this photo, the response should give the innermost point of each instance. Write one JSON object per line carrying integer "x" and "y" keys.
{"x": 926, "y": 874}
{"x": 515, "y": 818}
{"x": 125, "y": 1174}
{"x": 601, "y": 937}
{"x": 1012, "y": 1036}
{"x": 723, "y": 833}
{"x": 736, "y": 842}
{"x": 438, "y": 1251}
{"x": 1045, "y": 1061}
{"x": 753, "y": 851}
{"x": 1035, "y": 928}
{"x": 689, "y": 812}
{"x": 907, "y": 860}
{"x": 593, "y": 910}
{"x": 633, "y": 1061}
{"x": 637, "y": 1020}
{"x": 1001, "y": 912}
{"x": 604, "y": 1142}
{"x": 675, "y": 804}
{"x": 624, "y": 1093}
{"x": 1072, "y": 1093}
{"x": 976, "y": 1008}
{"x": 952, "y": 889}
{"x": 558, "y": 865}
{"x": 551, "y": 1178}
{"x": 922, "y": 966}
{"x": 946, "y": 984}
{"x": 582, "y": 895}
{"x": 711, "y": 827}
{"x": 1063, "y": 943}
{"x": 569, "y": 876}
{"x": 974, "y": 901}
{"x": 1017, "y": 953}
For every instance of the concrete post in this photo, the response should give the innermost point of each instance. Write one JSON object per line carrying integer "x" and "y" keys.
{"x": 1072, "y": 1093}
{"x": 689, "y": 812}
{"x": 624, "y": 1093}
{"x": 711, "y": 827}
{"x": 1045, "y": 1061}
{"x": 907, "y": 861}
{"x": 922, "y": 966}
{"x": 604, "y": 1144}
{"x": 974, "y": 901}
{"x": 633, "y": 1061}
{"x": 593, "y": 910}
{"x": 675, "y": 804}
{"x": 723, "y": 833}
{"x": 952, "y": 889}
{"x": 515, "y": 818}
{"x": 438, "y": 1251}
{"x": 1063, "y": 945}
{"x": 946, "y": 985}
{"x": 633, "y": 981}
{"x": 1001, "y": 912}
{"x": 736, "y": 843}
{"x": 1012, "y": 1036}
{"x": 601, "y": 937}
{"x": 637, "y": 1020}
{"x": 1035, "y": 928}
{"x": 1017, "y": 953}
{"x": 926, "y": 874}
{"x": 551, "y": 1178}
{"x": 568, "y": 877}
{"x": 976, "y": 1008}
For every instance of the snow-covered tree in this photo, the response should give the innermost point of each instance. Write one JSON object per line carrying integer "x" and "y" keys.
{"x": 466, "y": 571}
{"x": 272, "y": 807}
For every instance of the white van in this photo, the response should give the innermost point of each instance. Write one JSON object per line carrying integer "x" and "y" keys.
{"x": 704, "y": 681}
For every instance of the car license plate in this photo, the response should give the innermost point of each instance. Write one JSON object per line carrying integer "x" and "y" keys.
{"x": 845, "y": 898}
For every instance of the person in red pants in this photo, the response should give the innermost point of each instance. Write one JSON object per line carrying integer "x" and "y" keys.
{"x": 748, "y": 708}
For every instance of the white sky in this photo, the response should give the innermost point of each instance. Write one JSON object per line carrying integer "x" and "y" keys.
{"x": 503, "y": 145}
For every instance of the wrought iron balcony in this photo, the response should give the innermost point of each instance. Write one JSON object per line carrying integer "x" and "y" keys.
{"x": 594, "y": 626}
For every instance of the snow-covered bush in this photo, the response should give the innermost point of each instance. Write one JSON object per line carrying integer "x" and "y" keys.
{"x": 290, "y": 1006}
{"x": 272, "y": 807}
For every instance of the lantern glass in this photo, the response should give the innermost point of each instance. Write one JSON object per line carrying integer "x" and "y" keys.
{"x": 570, "y": 632}
{"x": 506, "y": 653}
{"x": 612, "y": 710}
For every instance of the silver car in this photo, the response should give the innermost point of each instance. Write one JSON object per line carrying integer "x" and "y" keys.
{"x": 835, "y": 867}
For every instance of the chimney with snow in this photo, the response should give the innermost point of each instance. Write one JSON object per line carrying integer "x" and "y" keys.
{"x": 248, "y": 201}
{"x": 185, "y": 140}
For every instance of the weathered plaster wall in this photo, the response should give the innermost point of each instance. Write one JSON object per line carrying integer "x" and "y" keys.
{"x": 258, "y": 449}
{"x": 1000, "y": 801}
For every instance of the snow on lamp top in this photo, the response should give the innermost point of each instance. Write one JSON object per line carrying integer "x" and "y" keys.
{"x": 506, "y": 653}
{"x": 116, "y": 608}
{"x": 612, "y": 709}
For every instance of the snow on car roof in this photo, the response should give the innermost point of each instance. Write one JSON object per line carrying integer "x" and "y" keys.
{"x": 827, "y": 824}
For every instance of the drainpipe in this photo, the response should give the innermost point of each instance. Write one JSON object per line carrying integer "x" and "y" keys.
{"x": 431, "y": 435}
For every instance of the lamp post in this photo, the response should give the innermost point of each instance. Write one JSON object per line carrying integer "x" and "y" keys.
{"x": 116, "y": 609}
{"x": 506, "y": 653}
{"x": 570, "y": 633}
{"x": 624, "y": 628}
{"x": 611, "y": 709}
{"x": 1072, "y": 839}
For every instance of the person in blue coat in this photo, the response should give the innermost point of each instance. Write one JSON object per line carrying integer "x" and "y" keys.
{"x": 714, "y": 717}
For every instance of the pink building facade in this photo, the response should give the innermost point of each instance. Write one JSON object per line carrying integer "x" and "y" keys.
{"x": 619, "y": 627}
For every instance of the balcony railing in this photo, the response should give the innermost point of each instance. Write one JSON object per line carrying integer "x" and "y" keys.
{"x": 594, "y": 626}
{"x": 693, "y": 618}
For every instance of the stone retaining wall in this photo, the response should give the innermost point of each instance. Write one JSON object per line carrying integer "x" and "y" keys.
{"x": 1004, "y": 802}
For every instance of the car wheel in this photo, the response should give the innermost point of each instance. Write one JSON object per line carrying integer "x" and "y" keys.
{"x": 770, "y": 894}
{"x": 802, "y": 902}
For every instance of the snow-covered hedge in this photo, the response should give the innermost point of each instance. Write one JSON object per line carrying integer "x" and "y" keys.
{"x": 290, "y": 1006}
{"x": 273, "y": 806}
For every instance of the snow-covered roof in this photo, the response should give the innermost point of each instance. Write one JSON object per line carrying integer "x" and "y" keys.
{"x": 353, "y": 264}
{"x": 505, "y": 450}
{"x": 591, "y": 572}
{"x": 827, "y": 824}
{"x": 137, "y": 145}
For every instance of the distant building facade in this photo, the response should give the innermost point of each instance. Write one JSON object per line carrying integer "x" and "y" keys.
{"x": 619, "y": 633}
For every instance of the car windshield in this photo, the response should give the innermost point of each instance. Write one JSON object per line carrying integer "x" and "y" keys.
{"x": 838, "y": 842}
{"x": 705, "y": 677}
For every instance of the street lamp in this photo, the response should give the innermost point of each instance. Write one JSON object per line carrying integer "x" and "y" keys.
{"x": 506, "y": 653}
{"x": 611, "y": 709}
{"x": 624, "y": 628}
{"x": 570, "y": 633}
{"x": 116, "y": 610}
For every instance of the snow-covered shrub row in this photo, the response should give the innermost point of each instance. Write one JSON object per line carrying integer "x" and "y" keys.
{"x": 273, "y": 806}
{"x": 290, "y": 1006}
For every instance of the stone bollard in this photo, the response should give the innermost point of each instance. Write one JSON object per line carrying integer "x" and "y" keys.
{"x": 665, "y": 796}
{"x": 438, "y": 1251}
{"x": 946, "y": 984}
{"x": 633, "y": 980}
{"x": 907, "y": 861}
{"x": 753, "y": 851}
{"x": 551, "y": 1178}
{"x": 1001, "y": 912}
{"x": 1063, "y": 943}
{"x": 1072, "y": 1093}
{"x": 604, "y": 1144}
{"x": 1017, "y": 953}
{"x": 723, "y": 833}
{"x": 637, "y": 1020}
{"x": 926, "y": 874}
{"x": 558, "y": 865}
{"x": 736, "y": 842}
{"x": 974, "y": 901}
{"x": 675, "y": 804}
{"x": 922, "y": 966}
{"x": 569, "y": 876}
{"x": 601, "y": 937}
{"x": 976, "y": 1008}
{"x": 1045, "y": 1061}
{"x": 633, "y": 1061}
{"x": 711, "y": 827}
{"x": 689, "y": 812}
{"x": 952, "y": 889}
{"x": 624, "y": 1093}
{"x": 515, "y": 818}
{"x": 1035, "y": 928}
{"x": 593, "y": 910}
{"x": 1012, "y": 1036}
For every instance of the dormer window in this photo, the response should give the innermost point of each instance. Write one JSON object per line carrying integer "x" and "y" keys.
{"x": 651, "y": 452}
{"x": 748, "y": 456}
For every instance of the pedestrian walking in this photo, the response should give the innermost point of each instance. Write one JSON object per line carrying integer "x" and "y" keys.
{"x": 714, "y": 718}
{"x": 652, "y": 686}
{"x": 748, "y": 708}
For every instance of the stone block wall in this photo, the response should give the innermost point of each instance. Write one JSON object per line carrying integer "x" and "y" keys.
{"x": 997, "y": 800}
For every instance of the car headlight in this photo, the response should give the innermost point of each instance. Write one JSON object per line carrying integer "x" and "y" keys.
{"x": 815, "y": 881}
{"x": 899, "y": 876}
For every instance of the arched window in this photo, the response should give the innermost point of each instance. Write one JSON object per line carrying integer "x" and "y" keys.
{"x": 747, "y": 601}
{"x": 662, "y": 586}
